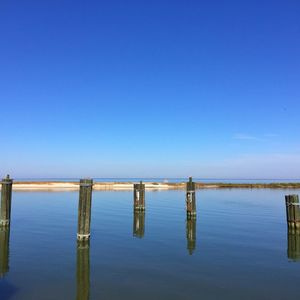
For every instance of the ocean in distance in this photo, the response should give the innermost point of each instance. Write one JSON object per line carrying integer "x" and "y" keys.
{"x": 171, "y": 180}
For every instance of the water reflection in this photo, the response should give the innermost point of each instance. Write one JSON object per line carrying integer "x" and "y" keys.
{"x": 139, "y": 224}
{"x": 293, "y": 251}
{"x": 4, "y": 251}
{"x": 191, "y": 234}
{"x": 83, "y": 270}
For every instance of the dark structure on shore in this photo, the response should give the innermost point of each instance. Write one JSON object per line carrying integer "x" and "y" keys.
{"x": 191, "y": 198}
{"x": 84, "y": 209}
{"x": 292, "y": 211}
{"x": 5, "y": 221}
{"x": 139, "y": 196}
{"x": 293, "y": 224}
{"x": 6, "y": 193}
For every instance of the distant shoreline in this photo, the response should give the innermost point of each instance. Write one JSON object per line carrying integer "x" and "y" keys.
{"x": 102, "y": 186}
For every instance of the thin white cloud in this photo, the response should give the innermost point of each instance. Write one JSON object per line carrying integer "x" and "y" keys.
{"x": 248, "y": 137}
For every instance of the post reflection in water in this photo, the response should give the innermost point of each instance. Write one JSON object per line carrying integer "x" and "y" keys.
{"x": 191, "y": 234}
{"x": 83, "y": 270}
{"x": 139, "y": 224}
{"x": 293, "y": 251}
{"x": 4, "y": 250}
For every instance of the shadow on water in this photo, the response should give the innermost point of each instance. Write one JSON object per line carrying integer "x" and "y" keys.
{"x": 7, "y": 289}
{"x": 83, "y": 270}
{"x": 191, "y": 234}
{"x": 139, "y": 224}
{"x": 4, "y": 250}
{"x": 293, "y": 250}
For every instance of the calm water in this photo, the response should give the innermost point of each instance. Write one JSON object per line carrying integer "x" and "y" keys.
{"x": 173, "y": 180}
{"x": 236, "y": 249}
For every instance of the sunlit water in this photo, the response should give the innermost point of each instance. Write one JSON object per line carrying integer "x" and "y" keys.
{"x": 236, "y": 249}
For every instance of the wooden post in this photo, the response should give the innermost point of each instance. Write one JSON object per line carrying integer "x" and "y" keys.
{"x": 191, "y": 234}
{"x": 139, "y": 224}
{"x": 83, "y": 270}
{"x": 4, "y": 250}
{"x": 191, "y": 198}
{"x": 293, "y": 250}
{"x": 6, "y": 201}
{"x": 139, "y": 196}
{"x": 84, "y": 209}
{"x": 292, "y": 211}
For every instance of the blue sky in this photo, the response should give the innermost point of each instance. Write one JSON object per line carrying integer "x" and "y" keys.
{"x": 150, "y": 88}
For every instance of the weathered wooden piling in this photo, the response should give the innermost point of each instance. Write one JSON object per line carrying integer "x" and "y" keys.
{"x": 84, "y": 209}
{"x": 191, "y": 198}
{"x": 6, "y": 193}
{"x": 4, "y": 250}
{"x": 83, "y": 270}
{"x": 191, "y": 234}
{"x": 293, "y": 250}
{"x": 292, "y": 211}
{"x": 139, "y": 224}
{"x": 139, "y": 196}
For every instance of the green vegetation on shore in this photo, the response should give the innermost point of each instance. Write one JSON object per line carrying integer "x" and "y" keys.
{"x": 276, "y": 185}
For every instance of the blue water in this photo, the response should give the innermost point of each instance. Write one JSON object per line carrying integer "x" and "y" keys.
{"x": 237, "y": 249}
{"x": 171, "y": 180}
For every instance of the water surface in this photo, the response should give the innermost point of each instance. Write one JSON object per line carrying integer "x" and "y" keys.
{"x": 238, "y": 247}
{"x": 171, "y": 180}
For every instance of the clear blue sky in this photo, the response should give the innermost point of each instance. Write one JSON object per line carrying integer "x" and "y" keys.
{"x": 150, "y": 88}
